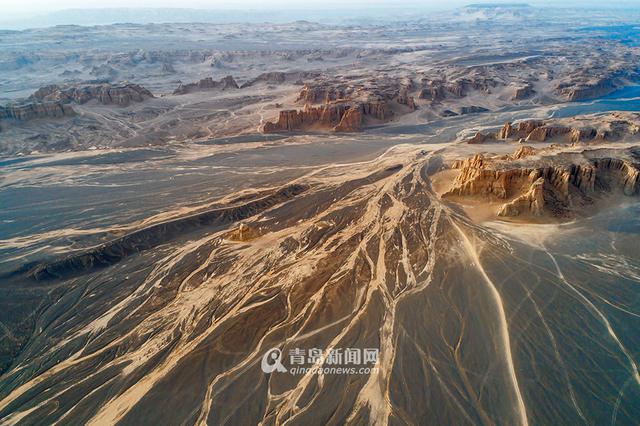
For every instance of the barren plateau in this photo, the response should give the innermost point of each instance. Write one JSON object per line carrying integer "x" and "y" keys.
{"x": 458, "y": 192}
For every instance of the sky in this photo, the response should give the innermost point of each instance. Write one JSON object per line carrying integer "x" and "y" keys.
{"x": 36, "y": 6}
{"x": 48, "y": 5}
{"x": 30, "y": 9}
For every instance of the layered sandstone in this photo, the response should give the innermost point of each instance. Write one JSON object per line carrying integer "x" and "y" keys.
{"x": 405, "y": 99}
{"x": 31, "y": 111}
{"x": 613, "y": 127}
{"x": 107, "y": 94}
{"x": 590, "y": 90}
{"x": 208, "y": 83}
{"x": 522, "y": 92}
{"x": 559, "y": 185}
{"x": 339, "y": 117}
{"x": 351, "y": 121}
{"x": 323, "y": 93}
{"x": 279, "y": 77}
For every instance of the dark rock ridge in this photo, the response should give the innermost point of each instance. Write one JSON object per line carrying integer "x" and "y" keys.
{"x": 105, "y": 93}
{"x": 208, "y": 83}
{"x": 473, "y": 109}
{"x": 114, "y": 251}
{"x": 30, "y": 111}
{"x": 559, "y": 187}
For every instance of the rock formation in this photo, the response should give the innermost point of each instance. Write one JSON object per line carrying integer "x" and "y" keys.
{"x": 208, "y": 83}
{"x": 473, "y": 109}
{"x": 522, "y": 152}
{"x": 616, "y": 126}
{"x": 600, "y": 87}
{"x": 279, "y": 77}
{"x": 433, "y": 91}
{"x": 339, "y": 117}
{"x": 322, "y": 93}
{"x": 480, "y": 137}
{"x": 107, "y": 94}
{"x": 351, "y": 121}
{"x": 522, "y": 92}
{"x": 506, "y": 132}
{"x": 558, "y": 187}
{"x": 30, "y": 111}
{"x": 404, "y": 99}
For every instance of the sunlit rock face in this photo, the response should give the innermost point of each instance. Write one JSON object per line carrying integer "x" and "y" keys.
{"x": 562, "y": 185}
{"x": 339, "y": 117}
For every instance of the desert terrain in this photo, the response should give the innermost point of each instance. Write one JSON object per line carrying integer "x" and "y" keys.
{"x": 459, "y": 191}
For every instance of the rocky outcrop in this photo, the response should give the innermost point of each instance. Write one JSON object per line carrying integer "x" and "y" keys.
{"x": 351, "y": 121}
{"x": 322, "y": 93}
{"x": 154, "y": 235}
{"x": 506, "y": 132}
{"x": 532, "y": 202}
{"x": 31, "y": 111}
{"x": 376, "y": 109}
{"x": 462, "y": 86}
{"x": 522, "y": 92}
{"x": 208, "y": 83}
{"x": 107, "y": 94}
{"x": 540, "y": 134}
{"x": 480, "y": 137}
{"x": 279, "y": 77}
{"x": 404, "y": 99}
{"x": 522, "y": 152}
{"x": 328, "y": 116}
{"x": 244, "y": 233}
{"x": 434, "y": 91}
{"x": 473, "y": 109}
{"x": 538, "y": 131}
{"x": 560, "y": 186}
{"x": 600, "y": 87}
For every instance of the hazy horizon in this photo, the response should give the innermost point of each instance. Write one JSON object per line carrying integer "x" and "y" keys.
{"x": 44, "y": 6}
{"x": 39, "y": 13}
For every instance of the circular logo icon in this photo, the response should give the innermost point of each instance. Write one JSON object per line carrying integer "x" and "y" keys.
{"x": 271, "y": 361}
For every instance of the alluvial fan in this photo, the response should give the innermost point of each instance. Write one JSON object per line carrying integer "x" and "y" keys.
{"x": 472, "y": 324}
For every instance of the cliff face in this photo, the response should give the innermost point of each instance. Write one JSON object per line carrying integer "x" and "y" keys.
{"x": 351, "y": 121}
{"x": 404, "y": 99}
{"x": 539, "y": 131}
{"x": 522, "y": 92}
{"x": 208, "y": 83}
{"x": 558, "y": 190}
{"x": 323, "y": 93}
{"x": 279, "y": 77}
{"x": 596, "y": 89}
{"x": 433, "y": 90}
{"x": 32, "y": 111}
{"x": 106, "y": 94}
{"x": 339, "y": 117}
